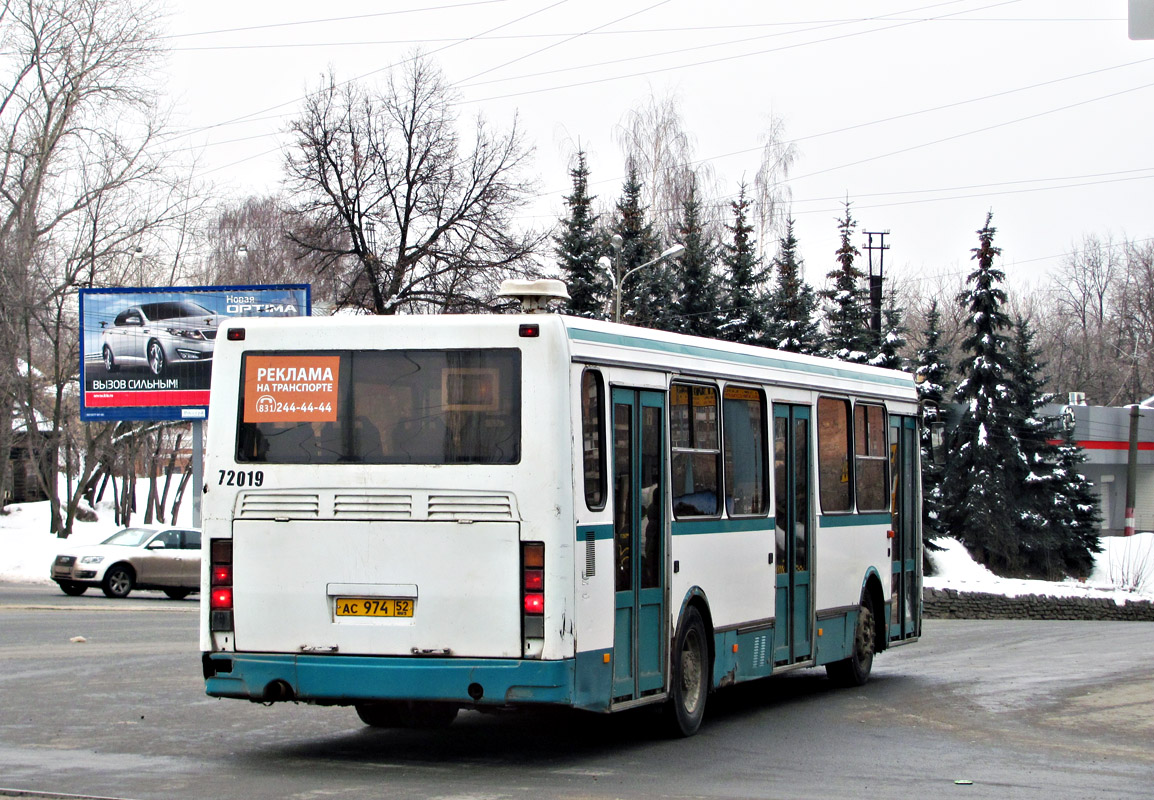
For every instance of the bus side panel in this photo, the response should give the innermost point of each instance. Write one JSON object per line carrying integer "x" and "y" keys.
{"x": 738, "y": 585}
{"x": 844, "y": 550}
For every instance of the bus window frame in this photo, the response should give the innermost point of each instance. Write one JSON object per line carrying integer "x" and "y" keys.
{"x": 847, "y": 403}
{"x": 716, "y": 452}
{"x": 883, "y": 458}
{"x": 766, "y": 456}
{"x": 599, "y": 414}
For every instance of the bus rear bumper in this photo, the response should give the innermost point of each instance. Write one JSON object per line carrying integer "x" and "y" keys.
{"x": 342, "y": 680}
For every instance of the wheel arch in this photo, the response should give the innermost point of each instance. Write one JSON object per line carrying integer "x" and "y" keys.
{"x": 696, "y": 597}
{"x": 128, "y": 565}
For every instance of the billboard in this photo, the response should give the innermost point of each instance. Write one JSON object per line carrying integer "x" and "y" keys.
{"x": 147, "y": 353}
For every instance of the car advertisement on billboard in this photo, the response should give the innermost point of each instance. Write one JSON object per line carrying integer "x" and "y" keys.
{"x": 147, "y": 353}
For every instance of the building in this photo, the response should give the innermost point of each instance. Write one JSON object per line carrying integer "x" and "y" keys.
{"x": 1104, "y": 433}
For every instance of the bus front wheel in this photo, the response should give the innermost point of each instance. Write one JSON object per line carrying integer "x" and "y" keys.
{"x": 689, "y": 677}
{"x": 855, "y": 670}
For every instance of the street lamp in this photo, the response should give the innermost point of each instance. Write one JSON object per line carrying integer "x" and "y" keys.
{"x": 612, "y": 267}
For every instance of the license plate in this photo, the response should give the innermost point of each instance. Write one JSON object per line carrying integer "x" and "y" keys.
{"x": 373, "y": 607}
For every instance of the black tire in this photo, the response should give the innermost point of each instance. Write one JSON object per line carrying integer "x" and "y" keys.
{"x": 689, "y": 676}
{"x": 178, "y": 594}
{"x": 156, "y": 360}
{"x": 855, "y": 670}
{"x": 407, "y": 714}
{"x": 118, "y": 581}
{"x": 72, "y": 588}
{"x": 110, "y": 364}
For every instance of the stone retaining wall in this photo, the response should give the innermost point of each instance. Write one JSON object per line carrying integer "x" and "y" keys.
{"x": 952, "y": 604}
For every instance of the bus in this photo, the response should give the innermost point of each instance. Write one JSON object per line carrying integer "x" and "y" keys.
{"x": 413, "y": 515}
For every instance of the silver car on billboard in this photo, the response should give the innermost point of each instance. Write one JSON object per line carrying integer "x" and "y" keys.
{"x": 159, "y": 335}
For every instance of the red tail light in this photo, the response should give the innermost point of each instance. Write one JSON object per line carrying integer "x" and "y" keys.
{"x": 534, "y": 603}
{"x": 221, "y": 598}
{"x": 533, "y": 597}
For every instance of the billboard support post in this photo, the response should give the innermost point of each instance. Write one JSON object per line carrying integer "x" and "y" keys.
{"x": 197, "y": 469}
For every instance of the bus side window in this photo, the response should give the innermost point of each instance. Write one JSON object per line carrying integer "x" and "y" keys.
{"x": 696, "y": 449}
{"x": 870, "y": 439}
{"x": 746, "y": 479}
{"x": 833, "y": 454}
{"x": 593, "y": 438}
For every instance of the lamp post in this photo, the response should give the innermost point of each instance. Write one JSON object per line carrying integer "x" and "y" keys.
{"x": 613, "y": 267}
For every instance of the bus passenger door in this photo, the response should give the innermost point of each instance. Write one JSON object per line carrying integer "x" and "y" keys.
{"x": 904, "y": 601}
{"x": 792, "y": 500}
{"x": 638, "y": 543}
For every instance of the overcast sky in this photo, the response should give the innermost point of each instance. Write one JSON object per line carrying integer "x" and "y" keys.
{"x": 925, "y": 114}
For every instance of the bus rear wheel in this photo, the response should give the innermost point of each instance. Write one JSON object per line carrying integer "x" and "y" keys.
{"x": 855, "y": 670}
{"x": 689, "y": 677}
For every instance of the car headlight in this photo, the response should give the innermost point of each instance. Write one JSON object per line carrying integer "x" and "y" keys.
{"x": 91, "y": 559}
{"x": 186, "y": 333}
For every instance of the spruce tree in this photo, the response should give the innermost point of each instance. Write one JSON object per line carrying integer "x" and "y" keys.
{"x": 792, "y": 323}
{"x": 986, "y": 464}
{"x": 1077, "y": 503}
{"x": 1059, "y": 514}
{"x": 893, "y": 336}
{"x": 848, "y": 337}
{"x": 1040, "y": 530}
{"x": 695, "y": 309}
{"x": 933, "y": 374}
{"x": 647, "y": 294}
{"x": 578, "y": 247}
{"x": 743, "y": 294}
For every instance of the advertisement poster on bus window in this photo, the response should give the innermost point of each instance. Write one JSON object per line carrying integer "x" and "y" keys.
{"x": 146, "y": 354}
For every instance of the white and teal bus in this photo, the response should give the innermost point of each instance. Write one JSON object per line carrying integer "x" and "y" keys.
{"x": 414, "y": 515}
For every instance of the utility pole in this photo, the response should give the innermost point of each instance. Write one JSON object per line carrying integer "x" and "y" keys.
{"x": 876, "y": 279}
{"x": 1132, "y": 472}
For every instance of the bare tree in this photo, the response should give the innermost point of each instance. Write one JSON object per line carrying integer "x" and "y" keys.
{"x": 78, "y": 183}
{"x": 398, "y": 212}
{"x": 1135, "y": 326}
{"x": 653, "y": 138}
{"x": 247, "y": 242}
{"x": 771, "y": 193}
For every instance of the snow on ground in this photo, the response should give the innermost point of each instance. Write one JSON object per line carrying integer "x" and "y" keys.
{"x": 1123, "y": 571}
{"x": 27, "y": 549}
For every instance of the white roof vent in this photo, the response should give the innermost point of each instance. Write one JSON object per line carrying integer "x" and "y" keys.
{"x": 534, "y": 295}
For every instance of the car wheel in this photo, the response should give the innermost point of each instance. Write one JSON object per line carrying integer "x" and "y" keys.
{"x": 110, "y": 364}
{"x": 72, "y": 588}
{"x": 117, "y": 581}
{"x": 178, "y": 594}
{"x": 156, "y": 360}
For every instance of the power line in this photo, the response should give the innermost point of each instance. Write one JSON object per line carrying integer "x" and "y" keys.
{"x": 272, "y": 25}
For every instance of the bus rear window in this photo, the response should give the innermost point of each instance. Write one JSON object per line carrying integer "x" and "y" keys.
{"x": 381, "y": 407}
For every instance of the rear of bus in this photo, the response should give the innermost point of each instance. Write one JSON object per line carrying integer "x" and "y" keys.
{"x": 385, "y": 501}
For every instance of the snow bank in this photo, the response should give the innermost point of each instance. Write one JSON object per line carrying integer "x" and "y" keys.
{"x": 1123, "y": 571}
{"x": 27, "y": 549}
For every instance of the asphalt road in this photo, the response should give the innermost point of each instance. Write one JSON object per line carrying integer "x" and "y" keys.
{"x": 1050, "y": 710}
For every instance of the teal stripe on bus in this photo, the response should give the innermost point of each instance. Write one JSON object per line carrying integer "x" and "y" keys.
{"x": 852, "y": 520}
{"x": 598, "y": 531}
{"x": 700, "y": 526}
{"x": 749, "y": 359}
